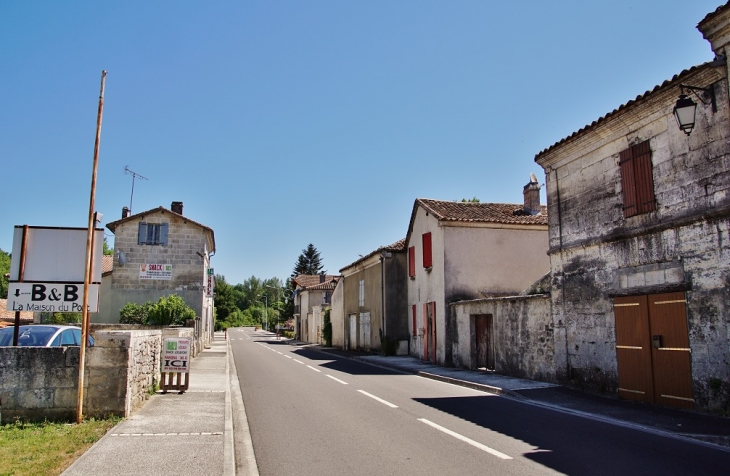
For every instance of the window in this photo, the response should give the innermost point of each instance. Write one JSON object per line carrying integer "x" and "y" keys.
{"x": 152, "y": 234}
{"x": 412, "y": 261}
{"x": 427, "y": 255}
{"x": 637, "y": 181}
{"x": 361, "y": 300}
{"x": 326, "y": 297}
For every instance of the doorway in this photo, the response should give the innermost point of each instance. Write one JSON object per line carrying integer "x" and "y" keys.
{"x": 483, "y": 325}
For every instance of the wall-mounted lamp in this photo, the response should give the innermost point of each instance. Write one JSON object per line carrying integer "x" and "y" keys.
{"x": 685, "y": 109}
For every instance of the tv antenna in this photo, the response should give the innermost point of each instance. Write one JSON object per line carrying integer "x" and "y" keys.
{"x": 134, "y": 175}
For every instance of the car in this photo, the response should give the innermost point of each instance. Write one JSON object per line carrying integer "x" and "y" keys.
{"x": 43, "y": 336}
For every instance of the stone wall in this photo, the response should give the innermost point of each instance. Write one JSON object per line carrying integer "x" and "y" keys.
{"x": 523, "y": 335}
{"x": 121, "y": 370}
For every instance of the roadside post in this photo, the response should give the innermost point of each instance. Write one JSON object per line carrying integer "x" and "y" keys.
{"x": 175, "y": 365}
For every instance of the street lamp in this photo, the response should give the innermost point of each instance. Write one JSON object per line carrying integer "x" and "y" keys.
{"x": 277, "y": 301}
{"x": 685, "y": 109}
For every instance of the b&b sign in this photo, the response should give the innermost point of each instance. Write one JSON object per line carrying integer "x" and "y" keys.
{"x": 51, "y": 297}
{"x": 176, "y": 355}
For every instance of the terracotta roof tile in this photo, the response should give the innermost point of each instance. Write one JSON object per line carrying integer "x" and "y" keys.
{"x": 8, "y": 317}
{"x": 710, "y": 15}
{"x": 310, "y": 280}
{"x": 107, "y": 264}
{"x": 469, "y": 212}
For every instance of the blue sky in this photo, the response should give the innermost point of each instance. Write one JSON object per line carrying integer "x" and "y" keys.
{"x": 283, "y": 123}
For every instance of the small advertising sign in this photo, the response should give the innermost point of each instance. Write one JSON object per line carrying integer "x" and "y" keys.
{"x": 176, "y": 355}
{"x": 155, "y": 271}
{"x": 210, "y": 284}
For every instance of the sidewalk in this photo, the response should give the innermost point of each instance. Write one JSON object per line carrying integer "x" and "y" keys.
{"x": 174, "y": 434}
{"x": 708, "y": 429}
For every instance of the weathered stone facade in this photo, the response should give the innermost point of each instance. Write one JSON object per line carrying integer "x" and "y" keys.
{"x": 597, "y": 253}
{"x": 522, "y": 335}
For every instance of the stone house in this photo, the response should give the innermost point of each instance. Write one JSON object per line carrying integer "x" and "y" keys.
{"x": 312, "y": 294}
{"x": 639, "y": 215}
{"x": 157, "y": 253}
{"x": 462, "y": 251}
{"x": 374, "y": 301}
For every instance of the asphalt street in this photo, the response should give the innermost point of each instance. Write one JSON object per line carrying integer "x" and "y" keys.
{"x": 315, "y": 413}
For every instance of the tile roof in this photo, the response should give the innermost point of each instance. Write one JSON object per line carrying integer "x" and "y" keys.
{"x": 711, "y": 15}
{"x": 107, "y": 264}
{"x": 114, "y": 224}
{"x": 675, "y": 81}
{"x": 396, "y": 247}
{"x": 470, "y": 212}
{"x": 8, "y": 317}
{"x": 308, "y": 281}
{"x": 326, "y": 286}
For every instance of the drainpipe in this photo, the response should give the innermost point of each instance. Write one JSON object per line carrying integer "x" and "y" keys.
{"x": 382, "y": 295}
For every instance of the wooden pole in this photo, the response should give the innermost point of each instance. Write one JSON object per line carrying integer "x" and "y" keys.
{"x": 89, "y": 242}
{"x": 21, "y": 275}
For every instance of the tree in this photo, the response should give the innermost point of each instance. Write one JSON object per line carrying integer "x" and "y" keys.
{"x": 470, "y": 200}
{"x": 107, "y": 251}
{"x": 170, "y": 310}
{"x": 309, "y": 262}
{"x": 4, "y": 269}
{"x": 224, "y": 298}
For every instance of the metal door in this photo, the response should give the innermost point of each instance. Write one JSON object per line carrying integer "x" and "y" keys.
{"x": 353, "y": 332}
{"x": 365, "y": 330}
{"x": 652, "y": 349}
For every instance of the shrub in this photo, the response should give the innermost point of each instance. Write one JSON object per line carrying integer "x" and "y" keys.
{"x": 170, "y": 310}
{"x": 133, "y": 313}
{"x": 327, "y": 329}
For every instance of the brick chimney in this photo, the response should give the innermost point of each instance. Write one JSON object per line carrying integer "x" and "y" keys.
{"x": 125, "y": 212}
{"x": 322, "y": 278}
{"x": 531, "y": 191}
{"x": 177, "y": 207}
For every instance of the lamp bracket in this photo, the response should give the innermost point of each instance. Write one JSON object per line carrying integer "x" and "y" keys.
{"x": 708, "y": 92}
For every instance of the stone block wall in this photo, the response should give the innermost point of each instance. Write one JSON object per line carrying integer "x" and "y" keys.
{"x": 523, "y": 335}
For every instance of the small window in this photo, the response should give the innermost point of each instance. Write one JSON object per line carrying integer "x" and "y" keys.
{"x": 427, "y": 254}
{"x": 412, "y": 261}
{"x": 361, "y": 300}
{"x": 152, "y": 234}
{"x": 637, "y": 181}
{"x": 326, "y": 297}
{"x": 68, "y": 338}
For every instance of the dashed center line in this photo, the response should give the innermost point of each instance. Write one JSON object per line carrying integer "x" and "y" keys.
{"x": 384, "y": 402}
{"x": 475, "y": 444}
{"x": 298, "y": 361}
{"x": 314, "y": 368}
{"x": 288, "y": 356}
{"x": 337, "y": 380}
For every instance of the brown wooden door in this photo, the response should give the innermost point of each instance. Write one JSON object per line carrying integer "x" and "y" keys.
{"x": 426, "y": 331}
{"x": 652, "y": 349}
{"x": 670, "y": 350}
{"x": 485, "y": 352}
{"x": 633, "y": 355}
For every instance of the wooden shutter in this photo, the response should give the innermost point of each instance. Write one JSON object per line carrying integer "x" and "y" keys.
{"x": 142, "y": 233}
{"x": 163, "y": 234}
{"x": 412, "y": 261}
{"x": 427, "y": 254}
{"x": 644, "y": 179}
{"x": 628, "y": 183}
{"x": 413, "y": 317}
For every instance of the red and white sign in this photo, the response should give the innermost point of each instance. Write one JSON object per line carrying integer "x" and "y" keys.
{"x": 176, "y": 355}
{"x": 155, "y": 271}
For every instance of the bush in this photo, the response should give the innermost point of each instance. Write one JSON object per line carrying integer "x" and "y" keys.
{"x": 63, "y": 318}
{"x": 327, "y": 329}
{"x": 133, "y": 313}
{"x": 170, "y": 310}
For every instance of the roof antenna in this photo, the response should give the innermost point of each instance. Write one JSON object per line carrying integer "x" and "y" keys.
{"x": 134, "y": 175}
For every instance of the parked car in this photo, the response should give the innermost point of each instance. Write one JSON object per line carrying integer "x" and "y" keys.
{"x": 43, "y": 336}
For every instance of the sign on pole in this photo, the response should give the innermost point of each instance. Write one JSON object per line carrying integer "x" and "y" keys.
{"x": 51, "y": 297}
{"x": 211, "y": 280}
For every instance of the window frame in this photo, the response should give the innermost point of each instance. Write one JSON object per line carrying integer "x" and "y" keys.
{"x": 427, "y": 242}
{"x": 152, "y": 234}
{"x": 637, "y": 180}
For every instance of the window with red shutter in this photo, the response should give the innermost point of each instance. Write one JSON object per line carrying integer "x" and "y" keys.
{"x": 412, "y": 261}
{"x": 427, "y": 254}
{"x": 637, "y": 181}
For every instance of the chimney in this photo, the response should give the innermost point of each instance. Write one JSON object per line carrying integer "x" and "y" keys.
{"x": 322, "y": 278}
{"x": 125, "y": 212}
{"x": 177, "y": 207}
{"x": 532, "y": 196}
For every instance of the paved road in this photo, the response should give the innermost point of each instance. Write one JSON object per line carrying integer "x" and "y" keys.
{"x": 312, "y": 413}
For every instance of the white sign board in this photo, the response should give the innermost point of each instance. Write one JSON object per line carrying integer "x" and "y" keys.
{"x": 176, "y": 355}
{"x": 155, "y": 271}
{"x": 55, "y": 254}
{"x": 51, "y": 297}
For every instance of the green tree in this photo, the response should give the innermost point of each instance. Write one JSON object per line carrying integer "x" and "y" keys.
{"x": 327, "y": 329}
{"x": 170, "y": 310}
{"x": 107, "y": 251}
{"x": 309, "y": 262}
{"x": 224, "y": 298}
{"x": 470, "y": 200}
{"x": 4, "y": 269}
{"x": 62, "y": 318}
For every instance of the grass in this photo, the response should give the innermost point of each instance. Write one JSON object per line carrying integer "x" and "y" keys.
{"x": 47, "y": 448}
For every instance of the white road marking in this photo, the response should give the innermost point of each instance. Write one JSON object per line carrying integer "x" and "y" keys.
{"x": 299, "y": 362}
{"x": 314, "y": 368}
{"x": 276, "y": 351}
{"x": 378, "y": 399}
{"x": 465, "y": 439}
{"x": 288, "y": 356}
{"x": 337, "y": 380}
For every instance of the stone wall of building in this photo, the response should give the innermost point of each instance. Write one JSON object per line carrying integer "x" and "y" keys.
{"x": 522, "y": 335}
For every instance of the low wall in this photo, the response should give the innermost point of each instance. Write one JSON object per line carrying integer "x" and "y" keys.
{"x": 522, "y": 335}
{"x": 38, "y": 383}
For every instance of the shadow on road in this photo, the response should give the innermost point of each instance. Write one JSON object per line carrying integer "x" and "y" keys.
{"x": 573, "y": 445}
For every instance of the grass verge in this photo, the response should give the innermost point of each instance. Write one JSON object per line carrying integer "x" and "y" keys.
{"x": 47, "y": 448}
